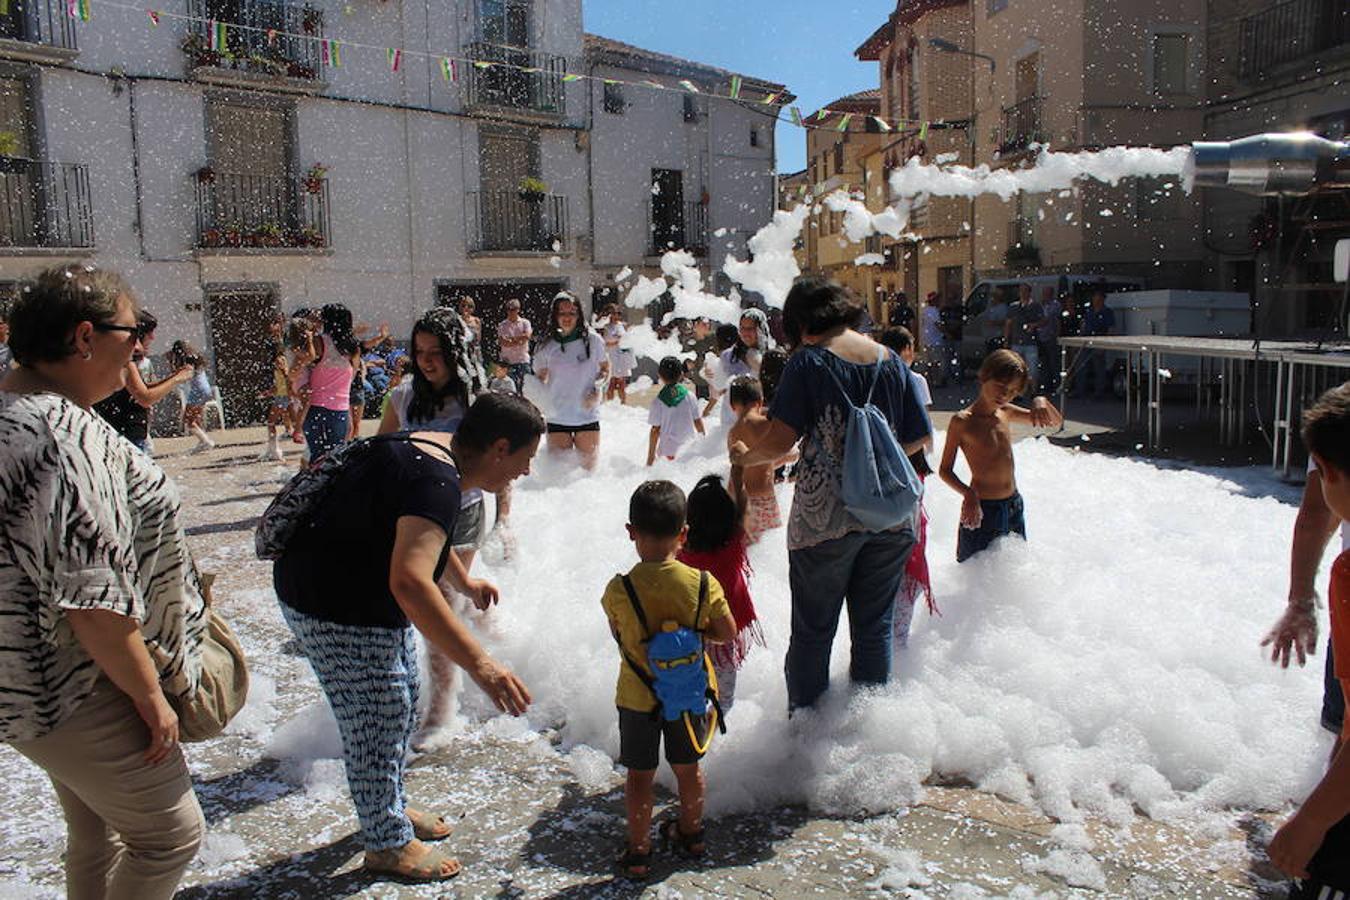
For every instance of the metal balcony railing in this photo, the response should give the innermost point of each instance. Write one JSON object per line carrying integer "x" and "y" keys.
{"x": 42, "y": 22}
{"x": 511, "y": 221}
{"x": 1022, "y": 126}
{"x": 516, "y": 78}
{"x": 44, "y": 204}
{"x": 1291, "y": 31}
{"x": 262, "y": 211}
{"x": 281, "y": 39}
{"x": 682, "y": 227}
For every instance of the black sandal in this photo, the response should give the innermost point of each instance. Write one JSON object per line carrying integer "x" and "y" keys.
{"x": 636, "y": 865}
{"x": 686, "y": 844}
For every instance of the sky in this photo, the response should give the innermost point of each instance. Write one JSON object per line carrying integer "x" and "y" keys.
{"x": 807, "y": 46}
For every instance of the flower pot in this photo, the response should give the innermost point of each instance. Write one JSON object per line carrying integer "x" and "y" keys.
{"x": 14, "y": 165}
{"x": 531, "y": 196}
{"x": 314, "y": 185}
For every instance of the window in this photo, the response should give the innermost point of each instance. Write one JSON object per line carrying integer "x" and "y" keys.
{"x": 995, "y": 6}
{"x": 1171, "y": 53}
{"x": 690, "y": 110}
{"x": 754, "y": 136}
{"x": 838, "y": 157}
{"x": 614, "y": 98}
{"x": 504, "y": 22}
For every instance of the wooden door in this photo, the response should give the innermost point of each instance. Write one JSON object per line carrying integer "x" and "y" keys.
{"x": 242, "y": 350}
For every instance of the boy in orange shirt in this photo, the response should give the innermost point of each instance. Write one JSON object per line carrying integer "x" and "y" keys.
{"x": 1313, "y": 846}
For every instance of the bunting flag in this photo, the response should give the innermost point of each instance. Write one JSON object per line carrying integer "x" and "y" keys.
{"x": 4, "y": 7}
{"x": 271, "y": 37}
{"x": 923, "y": 131}
{"x": 821, "y": 114}
{"x": 795, "y": 114}
{"x": 771, "y": 99}
{"x": 843, "y": 123}
{"x": 689, "y": 86}
{"x": 78, "y": 9}
{"x": 570, "y": 77}
{"x": 331, "y": 52}
{"x": 395, "y": 56}
{"x": 735, "y": 86}
{"x": 881, "y": 123}
{"x": 448, "y": 69}
{"x": 154, "y": 16}
{"x": 220, "y": 34}
{"x": 482, "y": 64}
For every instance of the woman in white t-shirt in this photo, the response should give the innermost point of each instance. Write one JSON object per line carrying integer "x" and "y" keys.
{"x": 744, "y": 356}
{"x": 570, "y": 361}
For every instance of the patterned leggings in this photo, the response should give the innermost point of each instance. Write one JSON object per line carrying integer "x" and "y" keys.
{"x": 370, "y": 678}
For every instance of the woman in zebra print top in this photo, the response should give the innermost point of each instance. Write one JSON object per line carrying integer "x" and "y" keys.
{"x": 101, "y": 612}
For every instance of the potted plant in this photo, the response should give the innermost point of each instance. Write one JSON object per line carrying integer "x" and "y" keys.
{"x": 206, "y": 175}
{"x": 314, "y": 178}
{"x": 231, "y": 236}
{"x": 532, "y": 189}
{"x": 211, "y": 237}
{"x": 1022, "y": 256}
{"x": 10, "y": 161}
{"x": 310, "y": 237}
{"x": 271, "y": 234}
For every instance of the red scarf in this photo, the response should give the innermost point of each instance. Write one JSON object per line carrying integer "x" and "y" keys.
{"x": 731, "y": 567}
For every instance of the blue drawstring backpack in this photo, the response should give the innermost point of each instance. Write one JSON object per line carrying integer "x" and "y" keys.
{"x": 682, "y": 679}
{"x": 879, "y": 486}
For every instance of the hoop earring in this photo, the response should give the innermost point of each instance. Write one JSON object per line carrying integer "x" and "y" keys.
{"x": 86, "y": 356}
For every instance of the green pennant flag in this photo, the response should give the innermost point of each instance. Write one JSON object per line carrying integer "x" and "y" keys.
{"x": 689, "y": 85}
{"x": 570, "y": 77}
{"x": 923, "y": 132}
{"x": 795, "y": 114}
{"x": 771, "y": 99}
{"x": 881, "y": 123}
{"x": 821, "y": 113}
{"x": 843, "y": 123}
{"x": 735, "y": 86}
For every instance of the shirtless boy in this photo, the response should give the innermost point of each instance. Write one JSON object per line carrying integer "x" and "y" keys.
{"x": 991, "y": 507}
{"x": 746, "y": 397}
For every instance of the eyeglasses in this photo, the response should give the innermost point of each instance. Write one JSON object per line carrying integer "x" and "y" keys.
{"x": 140, "y": 331}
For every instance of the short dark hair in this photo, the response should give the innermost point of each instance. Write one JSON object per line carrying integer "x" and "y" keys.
{"x": 495, "y": 416}
{"x": 1004, "y": 366}
{"x": 657, "y": 509}
{"x": 713, "y": 516}
{"x": 815, "y": 305}
{"x": 771, "y": 366}
{"x": 670, "y": 369}
{"x": 45, "y": 314}
{"x": 745, "y": 391}
{"x": 1326, "y": 428}
{"x": 726, "y": 336}
{"x": 146, "y": 319}
{"x": 898, "y": 338}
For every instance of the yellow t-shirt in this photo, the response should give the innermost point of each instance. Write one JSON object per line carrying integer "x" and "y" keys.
{"x": 668, "y": 591}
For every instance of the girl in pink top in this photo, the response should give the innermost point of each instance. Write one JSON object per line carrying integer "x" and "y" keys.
{"x": 330, "y": 381}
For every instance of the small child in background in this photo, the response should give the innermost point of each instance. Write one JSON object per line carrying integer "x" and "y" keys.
{"x": 674, "y": 415}
{"x": 991, "y": 506}
{"x": 197, "y": 394}
{"x": 278, "y": 407}
{"x": 917, "y": 581}
{"x": 1313, "y": 846}
{"x": 300, "y": 344}
{"x": 746, "y": 396}
{"x": 620, "y": 360}
{"x": 724, "y": 338}
{"x": 500, "y": 381}
{"x": 716, "y": 542}
{"x": 666, "y": 590}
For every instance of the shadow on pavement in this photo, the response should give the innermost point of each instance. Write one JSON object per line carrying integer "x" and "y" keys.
{"x": 222, "y": 527}
{"x": 314, "y": 873}
{"x": 240, "y": 791}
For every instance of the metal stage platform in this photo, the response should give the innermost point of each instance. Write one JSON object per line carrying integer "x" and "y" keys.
{"x": 1272, "y": 380}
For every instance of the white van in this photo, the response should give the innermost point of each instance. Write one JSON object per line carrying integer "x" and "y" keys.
{"x": 986, "y": 306}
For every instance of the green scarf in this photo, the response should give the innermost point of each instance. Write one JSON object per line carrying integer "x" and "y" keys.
{"x": 673, "y": 395}
{"x": 565, "y": 339}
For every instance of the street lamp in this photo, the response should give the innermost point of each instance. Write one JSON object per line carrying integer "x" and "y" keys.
{"x": 947, "y": 46}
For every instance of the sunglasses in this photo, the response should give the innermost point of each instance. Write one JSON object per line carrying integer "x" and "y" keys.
{"x": 140, "y": 331}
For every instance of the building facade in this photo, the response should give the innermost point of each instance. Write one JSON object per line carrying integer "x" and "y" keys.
{"x": 291, "y": 159}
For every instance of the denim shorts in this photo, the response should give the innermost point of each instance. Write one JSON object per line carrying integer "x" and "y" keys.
{"x": 641, "y": 733}
{"x": 1333, "y": 701}
{"x": 998, "y": 518}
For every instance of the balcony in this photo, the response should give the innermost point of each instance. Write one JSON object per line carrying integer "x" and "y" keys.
{"x": 37, "y": 31}
{"x": 1289, "y": 32}
{"x": 279, "y": 49}
{"x": 44, "y": 207}
{"x": 516, "y": 81}
{"x": 686, "y": 230}
{"x": 1022, "y": 126}
{"x": 516, "y": 223}
{"x": 1022, "y": 252}
{"x": 262, "y": 214}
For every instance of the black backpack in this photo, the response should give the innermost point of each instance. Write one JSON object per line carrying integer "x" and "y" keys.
{"x": 298, "y": 502}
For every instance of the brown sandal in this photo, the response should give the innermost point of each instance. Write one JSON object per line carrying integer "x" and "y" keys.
{"x": 431, "y": 865}
{"x": 428, "y": 826}
{"x": 690, "y": 845}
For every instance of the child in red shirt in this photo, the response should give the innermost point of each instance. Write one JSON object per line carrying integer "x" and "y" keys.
{"x": 1313, "y": 846}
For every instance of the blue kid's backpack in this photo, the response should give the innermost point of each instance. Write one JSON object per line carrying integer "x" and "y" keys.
{"x": 682, "y": 679}
{"x": 879, "y": 486}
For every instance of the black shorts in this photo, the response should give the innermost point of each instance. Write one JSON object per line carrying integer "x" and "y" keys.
{"x": 554, "y": 428}
{"x": 640, "y": 740}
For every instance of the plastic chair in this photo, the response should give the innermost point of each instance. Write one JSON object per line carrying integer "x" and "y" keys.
{"x": 213, "y": 405}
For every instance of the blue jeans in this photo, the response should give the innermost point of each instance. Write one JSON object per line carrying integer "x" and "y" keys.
{"x": 517, "y": 372}
{"x": 997, "y": 518}
{"x": 325, "y": 429}
{"x": 862, "y": 569}
{"x": 1333, "y": 701}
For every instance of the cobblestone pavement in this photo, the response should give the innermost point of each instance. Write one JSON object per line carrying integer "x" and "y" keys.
{"x": 533, "y": 822}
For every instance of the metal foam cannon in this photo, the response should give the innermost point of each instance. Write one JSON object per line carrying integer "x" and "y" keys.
{"x": 1292, "y": 163}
